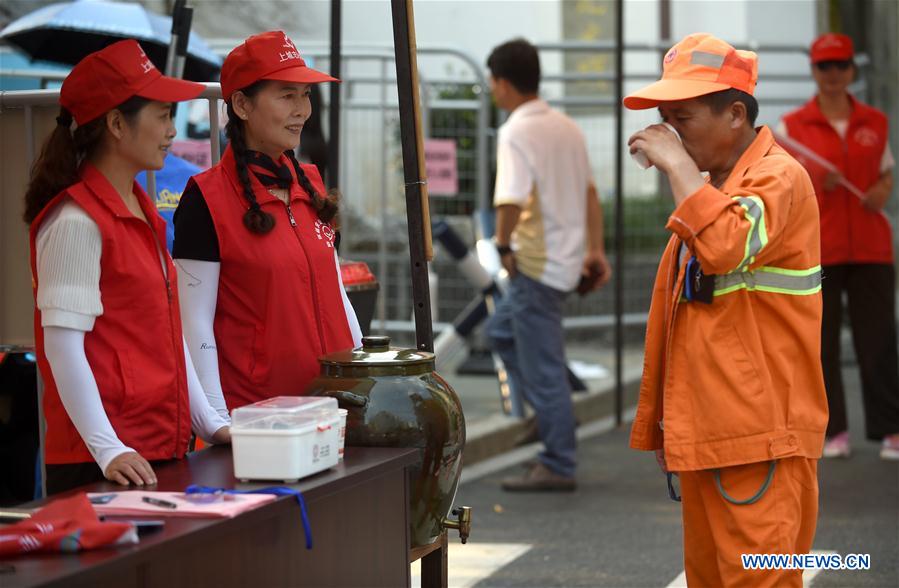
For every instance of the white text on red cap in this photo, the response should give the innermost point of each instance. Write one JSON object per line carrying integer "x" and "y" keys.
{"x": 145, "y": 63}
{"x": 291, "y": 52}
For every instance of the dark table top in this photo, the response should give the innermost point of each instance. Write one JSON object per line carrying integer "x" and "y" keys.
{"x": 209, "y": 467}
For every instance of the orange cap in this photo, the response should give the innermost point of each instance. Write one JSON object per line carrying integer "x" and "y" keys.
{"x": 700, "y": 64}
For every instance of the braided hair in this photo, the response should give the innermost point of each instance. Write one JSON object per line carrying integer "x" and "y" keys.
{"x": 57, "y": 167}
{"x": 325, "y": 207}
{"x": 255, "y": 219}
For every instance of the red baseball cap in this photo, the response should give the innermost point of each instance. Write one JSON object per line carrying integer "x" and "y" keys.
{"x": 832, "y": 47}
{"x": 699, "y": 64}
{"x": 106, "y": 78}
{"x": 267, "y": 56}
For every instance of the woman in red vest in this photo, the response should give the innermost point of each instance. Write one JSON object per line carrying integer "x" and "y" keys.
{"x": 856, "y": 240}
{"x": 119, "y": 390}
{"x": 254, "y": 239}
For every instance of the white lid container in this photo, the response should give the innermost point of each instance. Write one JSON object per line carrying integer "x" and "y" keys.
{"x": 282, "y": 406}
{"x": 285, "y": 438}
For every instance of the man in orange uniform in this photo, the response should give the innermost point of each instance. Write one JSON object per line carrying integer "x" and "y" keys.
{"x": 732, "y": 397}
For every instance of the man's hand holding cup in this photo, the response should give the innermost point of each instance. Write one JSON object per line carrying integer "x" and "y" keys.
{"x": 658, "y": 145}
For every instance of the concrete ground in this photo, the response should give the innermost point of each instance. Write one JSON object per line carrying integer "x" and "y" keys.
{"x": 620, "y": 529}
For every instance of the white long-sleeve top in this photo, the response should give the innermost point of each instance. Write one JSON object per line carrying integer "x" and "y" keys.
{"x": 69, "y": 247}
{"x": 198, "y": 293}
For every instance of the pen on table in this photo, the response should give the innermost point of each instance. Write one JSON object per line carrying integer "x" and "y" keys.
{"x": 158, "y": 502}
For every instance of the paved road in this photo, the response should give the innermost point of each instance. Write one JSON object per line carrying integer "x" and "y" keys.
{"x": 620, "y": 529}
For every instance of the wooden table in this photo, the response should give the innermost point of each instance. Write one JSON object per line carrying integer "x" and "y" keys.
{"x": 358, "y": 511}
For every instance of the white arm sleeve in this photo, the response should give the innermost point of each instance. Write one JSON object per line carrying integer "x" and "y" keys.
{"x": 80, "y": 395}
{"x": 204, "y": 419}
{"x": 351, "y": 318}
{"x": 198, "y": 284}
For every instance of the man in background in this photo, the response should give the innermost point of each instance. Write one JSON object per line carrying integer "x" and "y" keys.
{"x": 549, "y": 237}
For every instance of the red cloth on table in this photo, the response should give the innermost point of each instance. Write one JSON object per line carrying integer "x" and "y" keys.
{"x": 66, "y": 525}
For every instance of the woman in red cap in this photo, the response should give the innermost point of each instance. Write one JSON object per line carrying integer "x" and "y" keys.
{"x": 851, "y": 166}
{"x": 120, "y": 391}
{"x": 254, "y": 239}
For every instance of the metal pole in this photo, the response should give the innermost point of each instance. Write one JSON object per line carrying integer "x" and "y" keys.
{"x": 664, "y": 21}
{"x": 383, "y": 275}
{"x": 481, "y": 183}
{"x": 176, "y": 24}
{"x": 29, "y": 135}
{"x": 41, "y": 422}
{"x": 214, "y": 130}
{"x": 619, "y": 211}
{"x": 334, "y": 98}
{"x": 151, "y": 184}
{"x": 187, "y": 15}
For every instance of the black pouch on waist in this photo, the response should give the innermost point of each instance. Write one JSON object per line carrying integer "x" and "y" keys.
{"x": 698, "y": 287}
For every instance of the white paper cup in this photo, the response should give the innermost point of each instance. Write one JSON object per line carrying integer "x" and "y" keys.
{"x": 641, "y": 158}
{"x": 341, "y": 437}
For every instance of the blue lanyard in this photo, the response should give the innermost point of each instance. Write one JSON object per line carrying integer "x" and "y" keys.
{"x": 276, "y": 490}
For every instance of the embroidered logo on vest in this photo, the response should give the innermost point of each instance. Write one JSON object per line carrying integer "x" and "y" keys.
{"x": 324, "y": 232}
{"x": 865, "y": 136}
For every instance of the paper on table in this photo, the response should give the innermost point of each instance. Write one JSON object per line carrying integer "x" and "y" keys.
{"x": 130, "y": 503}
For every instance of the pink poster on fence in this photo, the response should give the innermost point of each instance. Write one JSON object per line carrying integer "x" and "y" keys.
{"x": 440, "y": 165}
{"x": 196, "y": 151}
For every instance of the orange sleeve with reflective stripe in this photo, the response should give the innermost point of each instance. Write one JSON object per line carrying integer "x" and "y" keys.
{"x": 732, "y": 232}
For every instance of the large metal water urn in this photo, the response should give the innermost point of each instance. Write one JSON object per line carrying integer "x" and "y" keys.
{"x": 394, "y": 398}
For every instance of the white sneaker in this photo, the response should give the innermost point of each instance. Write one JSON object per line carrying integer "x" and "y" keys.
{"x": 890, "y": 447}
{"x": 837, "y": 446}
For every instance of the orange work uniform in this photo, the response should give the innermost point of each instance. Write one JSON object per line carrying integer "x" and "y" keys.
{"x": 733, "y": 385}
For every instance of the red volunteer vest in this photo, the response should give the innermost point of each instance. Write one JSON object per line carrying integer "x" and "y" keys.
{"x": 849, "y": 232}
{"x": 279, "y": 303}
{"x": 135, "y": 350}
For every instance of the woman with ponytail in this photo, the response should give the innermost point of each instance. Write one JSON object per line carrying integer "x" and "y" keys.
{"x": 120, "y": 391}
{"x": 262, "y": 297}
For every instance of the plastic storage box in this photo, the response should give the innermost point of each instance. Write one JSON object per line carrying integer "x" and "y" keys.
{"x": 285, "y": 438}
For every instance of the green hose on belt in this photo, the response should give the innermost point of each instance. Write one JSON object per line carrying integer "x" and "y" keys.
{"x": 751, "y": 499}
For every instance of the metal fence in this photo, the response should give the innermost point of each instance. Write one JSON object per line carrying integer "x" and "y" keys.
{"x": 458, "y": 107}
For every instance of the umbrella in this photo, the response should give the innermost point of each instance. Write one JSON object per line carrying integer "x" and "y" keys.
{"x": 69, "y": 31}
